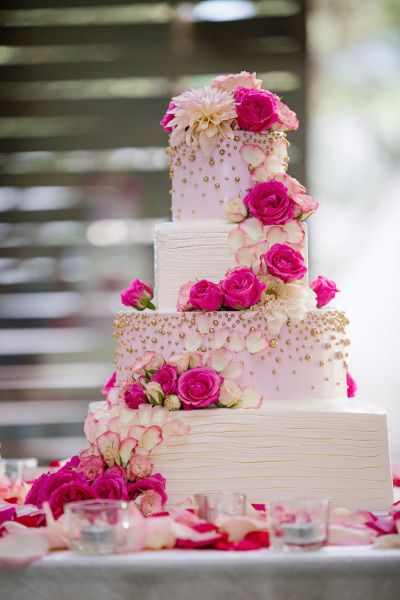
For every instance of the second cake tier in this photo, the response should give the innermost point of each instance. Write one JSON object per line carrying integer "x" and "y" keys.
{"x": 304, "y": 361}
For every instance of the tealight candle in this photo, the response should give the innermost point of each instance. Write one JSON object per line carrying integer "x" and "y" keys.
{"x": 213, "y": 506}
{"x": 299, "y": 524}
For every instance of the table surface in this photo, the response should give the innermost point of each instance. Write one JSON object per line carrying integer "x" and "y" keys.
{"x": 350, "y": 573}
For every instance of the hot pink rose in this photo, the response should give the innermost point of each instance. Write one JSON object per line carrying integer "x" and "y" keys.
{"x": 351, "y": 386}
{"x": 47, "y": 483}
{"x": 111, "y": 383}
{"x": 325, "y": 290}
{"x": 270, "y": 203}
{"x": 167, "y": 377}
{"x": 134, "y": 396}
{"x": 241, "y": 288}
{"x": 287, "y": 119}
{"x": 138, "y": 294}
{"x": 110, "y": 485}
{"x": 284, "y": 262}
{"x": 206, "y": 295}
{"x": 91, "y": 466}
{"x": 199, "y": 387}
{"x": 69, "y": 492}
{"x": 256, "y": 109}
{"x": 117, "y": 471}
{"x": 156, "y": 483}
{"x": 167, "y": 118}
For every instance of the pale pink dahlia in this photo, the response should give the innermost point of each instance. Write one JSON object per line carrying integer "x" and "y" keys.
{"x": 200, "y": 116}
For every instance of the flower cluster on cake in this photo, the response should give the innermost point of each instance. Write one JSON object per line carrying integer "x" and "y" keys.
{"x": 237, "y": 327}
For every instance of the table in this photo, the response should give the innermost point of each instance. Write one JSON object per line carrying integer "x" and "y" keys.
{"x": 354, "y": 573}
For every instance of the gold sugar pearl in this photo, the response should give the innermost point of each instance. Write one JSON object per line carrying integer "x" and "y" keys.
{"x": 273, "y": 343}
{"x": 314, "y": 332}
{"x": 182, "y": 335}
{"x": 308, "y": 357}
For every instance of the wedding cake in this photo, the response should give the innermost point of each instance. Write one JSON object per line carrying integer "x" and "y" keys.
{"x": 239, "y": 380}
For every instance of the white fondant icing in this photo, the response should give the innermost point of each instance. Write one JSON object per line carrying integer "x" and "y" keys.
{"x": 337, "y": 450}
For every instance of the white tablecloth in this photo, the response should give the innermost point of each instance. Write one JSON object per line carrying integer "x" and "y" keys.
{"x": 357, "y": 573}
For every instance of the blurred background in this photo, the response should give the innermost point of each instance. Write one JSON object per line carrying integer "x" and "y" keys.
{"x": 83, "y": 177}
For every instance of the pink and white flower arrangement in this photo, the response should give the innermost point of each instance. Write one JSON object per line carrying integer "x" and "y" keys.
{"x": 325, "y": 290}
{"x": 200, "y": 116}
{"x": 138, "y": 294}
{"x": 273, "y": 201}
{"x": 192, "y": 381}
{"x": 240, "y": 289}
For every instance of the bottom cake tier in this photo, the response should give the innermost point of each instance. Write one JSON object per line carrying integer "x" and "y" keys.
{"x": 331, "y": 449}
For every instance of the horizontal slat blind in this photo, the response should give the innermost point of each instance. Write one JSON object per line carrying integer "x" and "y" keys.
{"x": 83, "y": 178}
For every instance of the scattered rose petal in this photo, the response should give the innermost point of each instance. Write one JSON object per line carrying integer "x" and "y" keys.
{"x": 253, "y": 154}
{"x": 295, "y": 231}
{"x": 203, "y": 323}
{"x": 233, "y": 370}
{"x": 151, "y": 438}
{"x": 236, "y": 239}
{"x": 108, "y": 445}
{"x": 235, "y": 341}
{"x": 219, "y": 359}
{"x": 220, "y": 338}
{"x": 250, "y": 398}
{"x": 245, "y": 256}
{"x": 256, "y": 342}
{"x": 253, "y": 230}
{"x": 193, "y": 342}
{"x": 126, "y": 449}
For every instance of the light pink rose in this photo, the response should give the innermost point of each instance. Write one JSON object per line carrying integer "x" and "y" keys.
{"x": 284, "y": 262}
{"x": 155, "y": 482}
{"x": 186, "y": 360}
{"x": 167, "y": 377}
{"x": 183, "y": 302}
{"x": 325, "y": 290}
{"x": 235, "y": 210}
{"x": 138, "y": 294}
{"x": 91, "y": 466}
{"x": 199, "y": 387}
{"x": 232, "y": 81}
{"x": 167, "y": 118}
{"x": 287, "y": 119}
{"x": 241, "y": 288}
{"x": 134, "y": 396}
{"x": 139, "y": 466}
{"x": 256, "y": 109}
{"x": 351, "y": 386}
{"x": 150, "y": 503}
{"x": 149, "y": 361}
{"x": 270, "y": 203}
{"x": 206, "y": 295}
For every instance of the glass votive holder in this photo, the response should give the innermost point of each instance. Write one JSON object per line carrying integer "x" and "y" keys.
{"x": 299, "y": 524}
{"x": 214, "y": 506}
{"x": 14, "y": 469}
{"x": 97, "y": 526}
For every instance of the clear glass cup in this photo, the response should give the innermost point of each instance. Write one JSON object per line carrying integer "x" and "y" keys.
{"x": 212, "y": 507}
{"x": 299, "y": 524}
{"x": 14, "y": 469}
{"x": 97, "y": 526}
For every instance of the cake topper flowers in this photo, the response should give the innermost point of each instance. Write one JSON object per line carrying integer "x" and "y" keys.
{"x": 236, "y": 101}
{"x": 200, "y": 116}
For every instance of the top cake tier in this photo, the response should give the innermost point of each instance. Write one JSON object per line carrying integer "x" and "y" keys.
{"x": 202, "y": 184}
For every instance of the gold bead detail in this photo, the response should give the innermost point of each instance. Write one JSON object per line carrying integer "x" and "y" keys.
{"x": 308, "y": 357}
{"x": 182, "y": 335}
{"x": 273, "y": 343}
{"x": 314, "y": 332}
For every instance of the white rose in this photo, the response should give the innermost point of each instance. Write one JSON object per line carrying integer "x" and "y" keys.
{"x": 154, "y": 393}
{"x": 230, "y": 393}
{"x": 235, "y": 210}
{"x": 172, "y": 402}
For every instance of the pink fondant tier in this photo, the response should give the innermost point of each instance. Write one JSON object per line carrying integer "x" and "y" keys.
{"x": 202, "y": 185}
{"x": 304, "y": 361}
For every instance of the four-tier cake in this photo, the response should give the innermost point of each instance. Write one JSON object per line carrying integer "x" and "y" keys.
{"x": 239, "y": 380}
